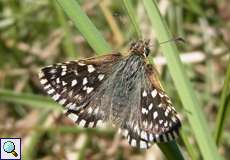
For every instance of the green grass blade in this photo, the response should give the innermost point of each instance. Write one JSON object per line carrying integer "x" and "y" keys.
{"x": 29, "y": 151}
{"x": 85, "y": 26}
{"x": 130, "y": 10}
{"x": 193, "y": 153}
{"x": 67, "y": 43}
{"x": 77, "y": 130}
{"x": 224, "y": 105}
{"x": 195, "y": 7}
{"x": 30, "y": 100}
{"x": 171, "y": 150}
{"x": 184, "y": 87}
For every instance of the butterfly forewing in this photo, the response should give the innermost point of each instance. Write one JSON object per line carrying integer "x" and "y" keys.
{"x": 73, "y": 84}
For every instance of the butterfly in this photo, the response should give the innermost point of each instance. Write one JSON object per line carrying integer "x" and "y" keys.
{"x": 121, "y": 90}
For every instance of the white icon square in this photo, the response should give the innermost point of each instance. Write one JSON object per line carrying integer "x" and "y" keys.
{"x": 10, "y": 148}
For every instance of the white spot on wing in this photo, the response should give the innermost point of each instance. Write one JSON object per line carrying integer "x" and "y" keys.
{"x": 63, "y": 73}
{"x": 161, "y": 121}
{"x": 128, "y": 137}
{"x": 82, "y": 123}
{"x": 74, "y": 82}
{"x": 64, "y": 67}
{"x": 90, "y": 110}
{"x": 62, "y": 101}
{"x": 166, "y": 112}
{"x": 160, "y": 105}
{"x": 150, "y": 106}
{"x": 90, "y": 68}
{"x": 52, "y": 71}
{"x": 56, "y": 96}
{"x": 96, "y": 110}
{"x": 91, "y": 124}
{"x": 137, "y": 129}
{"x": 143, "y": 144}
{"x": 170, "y": 124}
{"x": 155, "y": 114}
{"x": 101, "y": 76}
{"x": 151, "y": 125}
{"x": 125, "y": 132}
{"x": 81, "y": 64}
{"x": 154, "y": 93}
{"x": 133, "y": 143}
{"x": 40, "y": 74}
{"x": 47, "y": 86}
{"x": 73, "y": 116}
{"x": 144, "y": 110}
{"x": 71, "y": 106}
{"x": 151, "y": 137}
{"x": 85, "y": 88}
{"x": 99, "y": 123}
{"x": 169, "y": 108}
{"x": 144, "y": 135}
{"x": 161, "y": 95}
{"x": 58, "y": 80}
{"x": 51, "y": 91}
{"x": 70, "y": 93}
{"x": 174, "y": 119}
{"x": 144, "y": 94}
{"x": 89, "y": 89}
{"x": 85, "y": 81}
{"x": 64, "y": 83}
{"x": 75, "y": 72}
{"x": 166, "y": 124}
{"x": 43, "y": 81}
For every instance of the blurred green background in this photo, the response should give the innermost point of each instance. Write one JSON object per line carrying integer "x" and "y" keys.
{"x": 34, "y": 34}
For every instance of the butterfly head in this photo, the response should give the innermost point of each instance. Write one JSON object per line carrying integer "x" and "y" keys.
{"x": 140, "y": 47}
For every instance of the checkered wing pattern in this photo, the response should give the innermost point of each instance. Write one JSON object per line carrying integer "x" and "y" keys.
{"x": 122, "y": 90}
{"x": 74, "y": 85}
{"x": 156, "y": 119}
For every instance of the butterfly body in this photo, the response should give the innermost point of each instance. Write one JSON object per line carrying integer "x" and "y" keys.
{"x": 120, "y": 90}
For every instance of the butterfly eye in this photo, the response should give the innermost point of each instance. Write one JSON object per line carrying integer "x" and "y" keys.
{"x": 132, "y": 45}
{"x": 146, "y": 51}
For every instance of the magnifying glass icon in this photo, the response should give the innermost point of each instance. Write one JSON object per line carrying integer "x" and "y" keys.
{"x": 9, "y": 147}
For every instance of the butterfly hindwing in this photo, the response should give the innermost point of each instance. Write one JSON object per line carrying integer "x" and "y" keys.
{"x": 156, "y": 106}
{"x": 74, "y": 83}
{"x": 156, "y": 120}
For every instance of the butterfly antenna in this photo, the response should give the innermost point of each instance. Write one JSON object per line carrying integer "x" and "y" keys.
{"x": 177, "y": 39}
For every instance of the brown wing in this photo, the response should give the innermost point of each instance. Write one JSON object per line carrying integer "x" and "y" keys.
{"x": 156, "y": 120}
{"x": 73, "y": 84}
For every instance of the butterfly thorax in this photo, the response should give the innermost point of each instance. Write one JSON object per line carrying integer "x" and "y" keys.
{"x": 140, "y": 48}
